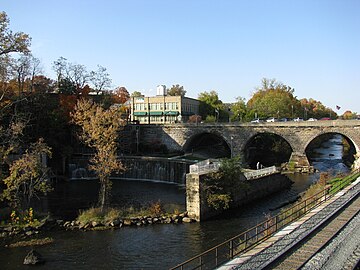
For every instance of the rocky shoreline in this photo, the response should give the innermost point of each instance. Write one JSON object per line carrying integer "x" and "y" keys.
{"x": 52, "y": 224}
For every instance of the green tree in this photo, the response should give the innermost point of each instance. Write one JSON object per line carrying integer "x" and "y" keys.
{"x": 99, "y": 130}
{"x": 221, "y": 186}
{"x": 273, "y": 99}
{"x": 211, "y": 105}
{"x": 28, "y": 176}
{"x": 136, "y": 94}
{"x": 238, "y": 110}
{"x": 176, "y": 90}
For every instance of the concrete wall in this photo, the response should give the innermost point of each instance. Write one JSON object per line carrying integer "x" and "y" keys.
{"x": 196, "y": 204}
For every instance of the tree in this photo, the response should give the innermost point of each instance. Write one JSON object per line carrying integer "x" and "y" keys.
{"x": 348, "y": 115}
{"x": 28, "y": 176}
{"x": 273, "y": 99}
{"x": 176, "y": 90}
{"x": 75, "y": 74}
{"x": 238, "y": 109}
{"x": 221, "y": 186}
{"x": 99, "y": 130}
{"x": 12, "y": 42}
{"x": 100, "y": 79}
{"x": 121, "y": 95}
{"x": 60, "y": 66}
{"x": 136, "y": 94}
{"x": 194, "y": 119}
{"x": 210, "y": 105}
{"x": 313, "y": 108}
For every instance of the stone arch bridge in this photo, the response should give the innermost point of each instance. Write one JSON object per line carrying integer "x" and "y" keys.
{"x": 236, "y": 136}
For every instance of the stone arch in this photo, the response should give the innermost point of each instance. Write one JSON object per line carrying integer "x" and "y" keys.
{"x": 208, "y": 140}
{"x": 248, "y": 141}
{"x": 349, "y": 137}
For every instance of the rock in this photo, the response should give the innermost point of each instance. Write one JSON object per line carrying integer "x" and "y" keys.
{"x": 59, "y": 222}
{"x": 95, "y": 224}
{"x": 186, "y": 220}
{"x": 127, "y": 222}
{"x": 33, "y": 258}
{"x": 82, "y": 225}
{"x": 67, "y": 224}
{"x": 168, "y": 220}
{"x": 115, "y": 223}
{"x": 29, "y": 233}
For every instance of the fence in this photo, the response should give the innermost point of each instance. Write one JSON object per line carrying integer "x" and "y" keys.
{"x": 259, "y": 173}
{"x": 227, "y": 250}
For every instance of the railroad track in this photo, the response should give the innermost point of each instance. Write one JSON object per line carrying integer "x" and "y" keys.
{"x": 301, "y": 253}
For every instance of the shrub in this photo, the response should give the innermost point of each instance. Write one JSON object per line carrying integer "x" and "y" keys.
{"x": 156, "y": 208}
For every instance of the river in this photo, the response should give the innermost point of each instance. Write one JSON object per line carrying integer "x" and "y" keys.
{"x": 158, "y": 246}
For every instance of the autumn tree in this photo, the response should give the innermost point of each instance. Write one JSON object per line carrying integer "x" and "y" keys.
{"x": 194, "y": 119}
{"x": 28, "y": 176}
{"x": 99, "y": 130}
{"x": 121, "y": 95}
{"x": 348, "y": 115}
{"x": 176, "y": 90}
{"x": 315, "y": 109}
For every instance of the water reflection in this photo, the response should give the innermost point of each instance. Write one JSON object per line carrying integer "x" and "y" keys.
{"x": 159, "y": 246}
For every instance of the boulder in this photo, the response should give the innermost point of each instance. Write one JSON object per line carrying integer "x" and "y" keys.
{"x": 115, "y": 223}
{"x": 168, "y": 220}
{"x": 33, "y": 258}
{"x": 186, "y": 220}
{"x": 127, "y": 222}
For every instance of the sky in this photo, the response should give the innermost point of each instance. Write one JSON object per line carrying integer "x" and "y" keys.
{"x": 228, "y": 46}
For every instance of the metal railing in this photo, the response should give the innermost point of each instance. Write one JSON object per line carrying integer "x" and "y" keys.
{"x": 259, "y": 173}
{"x": 227, "y": 250}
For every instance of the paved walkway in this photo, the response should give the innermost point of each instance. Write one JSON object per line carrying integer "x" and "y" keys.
{"x": 265, "y": 253}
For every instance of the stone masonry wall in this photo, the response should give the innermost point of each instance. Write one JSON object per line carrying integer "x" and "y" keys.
{"x": 198, "y": 209}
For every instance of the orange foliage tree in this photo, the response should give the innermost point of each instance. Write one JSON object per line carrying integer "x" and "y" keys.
{"x": 99, "y": 130}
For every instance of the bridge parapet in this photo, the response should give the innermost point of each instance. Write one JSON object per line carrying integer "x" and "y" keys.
{"x": 299, "y": 135}
{"x": 206, "y": 166}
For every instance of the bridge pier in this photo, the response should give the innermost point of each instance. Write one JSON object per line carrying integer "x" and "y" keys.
{"x": 299, "y": 162}
{"x": 356, "y": 164}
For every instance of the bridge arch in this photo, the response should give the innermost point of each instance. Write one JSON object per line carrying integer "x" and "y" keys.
{"x": 346, "y": 135}
{"x": 353, "y": 151}
{"x": 208, "y": 145}
{"x": 278, "y": 149}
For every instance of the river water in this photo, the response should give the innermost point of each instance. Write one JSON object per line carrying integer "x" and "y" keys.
{"x": 158, "y": 246}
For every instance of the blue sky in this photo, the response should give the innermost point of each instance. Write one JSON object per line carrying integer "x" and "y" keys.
{"x": 224, "y": 45}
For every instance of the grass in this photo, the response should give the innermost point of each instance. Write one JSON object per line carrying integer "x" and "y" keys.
{"x": 111, "y": 214}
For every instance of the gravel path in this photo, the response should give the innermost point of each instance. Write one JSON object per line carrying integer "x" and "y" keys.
{"x": 265, "y": 257}
{"x": 343, "y": 252}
